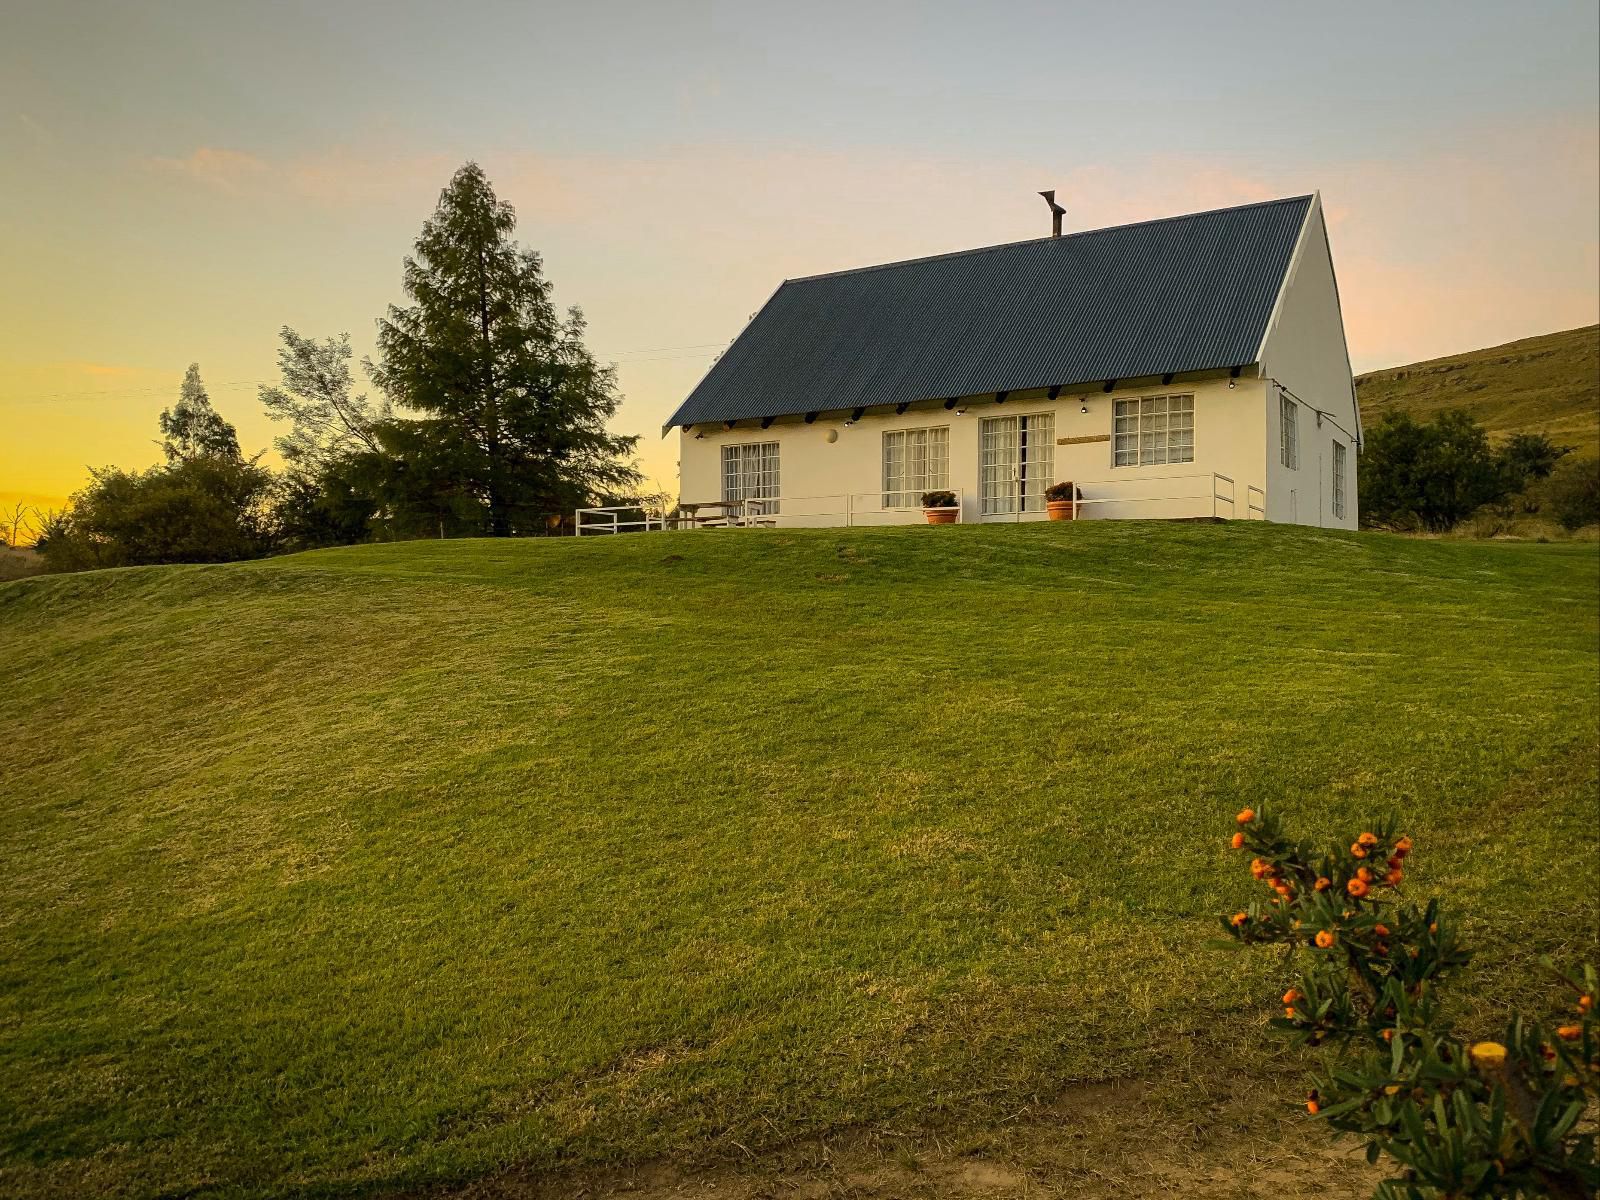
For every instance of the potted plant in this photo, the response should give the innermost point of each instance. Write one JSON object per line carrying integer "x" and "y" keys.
{"x": 1061, "y": 500}
{"x": 940, "y": 507}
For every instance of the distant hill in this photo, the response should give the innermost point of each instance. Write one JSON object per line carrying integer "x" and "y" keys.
{"x": 1547, "y": 384}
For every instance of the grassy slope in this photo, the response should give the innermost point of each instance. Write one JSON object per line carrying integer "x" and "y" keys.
{"x": 401, "y": 863}
{"x": 1548, "y": 384}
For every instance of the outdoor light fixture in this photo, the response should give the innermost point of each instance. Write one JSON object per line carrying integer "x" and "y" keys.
{"x": 1230, "y": 385}
{"x": 847, "y": 424}
{"x": 961, "y": 412}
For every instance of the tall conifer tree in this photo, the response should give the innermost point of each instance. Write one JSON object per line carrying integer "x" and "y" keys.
{"x": 192, "y": 429}
{"x": 514, "y": 405}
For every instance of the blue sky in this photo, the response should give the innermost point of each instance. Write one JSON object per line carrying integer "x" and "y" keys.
{"x": 181, "y": 179}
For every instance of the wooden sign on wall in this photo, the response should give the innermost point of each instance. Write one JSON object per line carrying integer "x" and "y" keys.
{"x": 1079, "y": 441}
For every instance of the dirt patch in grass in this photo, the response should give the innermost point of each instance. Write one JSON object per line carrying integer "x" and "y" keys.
{"x": 1126, "y": 1139}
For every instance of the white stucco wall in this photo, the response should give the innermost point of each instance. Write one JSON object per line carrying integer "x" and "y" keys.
{"x": 816, "y": 473}
{"x": 1304, "y": 351}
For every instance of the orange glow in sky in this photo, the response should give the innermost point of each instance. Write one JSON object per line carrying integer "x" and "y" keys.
{"x": 177, "y": 184}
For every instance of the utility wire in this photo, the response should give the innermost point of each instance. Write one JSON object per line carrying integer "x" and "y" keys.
{"x": 658, "y": 354}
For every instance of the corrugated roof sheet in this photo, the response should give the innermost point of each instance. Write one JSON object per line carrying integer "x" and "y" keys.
{"x": 1185, "y": 293}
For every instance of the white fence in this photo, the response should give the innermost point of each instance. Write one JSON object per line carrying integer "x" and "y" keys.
{"x": 1199, "y": 495}
{"x": 1174, "y": 496}
{"x": 831, "y": 511}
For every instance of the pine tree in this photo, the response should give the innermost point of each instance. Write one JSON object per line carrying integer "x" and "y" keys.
{"x": 514, "y": 401}
{"x": 192, "y": 429}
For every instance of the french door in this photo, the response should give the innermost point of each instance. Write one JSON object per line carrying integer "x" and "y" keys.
{"x": 1015, "y": 455}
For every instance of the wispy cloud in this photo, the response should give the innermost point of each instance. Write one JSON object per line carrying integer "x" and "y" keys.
{"x": 1441, "y": 252}
{"x": 231, "y": 172}
{"x": 36, "y": 130}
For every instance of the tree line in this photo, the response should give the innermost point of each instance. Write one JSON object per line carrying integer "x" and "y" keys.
{"x": 1431, "y": 476}
{"x": 491, "y": 421}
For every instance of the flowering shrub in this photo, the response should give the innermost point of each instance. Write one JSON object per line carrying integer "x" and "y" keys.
{"x": 1461, "y": 1119}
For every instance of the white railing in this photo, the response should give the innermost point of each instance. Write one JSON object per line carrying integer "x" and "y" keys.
{"x": 1191, "y": 495}
{"x": 1210, "y": 492}
{"x": 839, "y": 508}
{"x": 610, "y": 520}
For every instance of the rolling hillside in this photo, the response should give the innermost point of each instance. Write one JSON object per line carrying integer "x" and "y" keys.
{"x": 1548, "y": 384}
{"x": 399, "y": 865}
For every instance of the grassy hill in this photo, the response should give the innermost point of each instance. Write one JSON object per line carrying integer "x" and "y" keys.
{"x": 402, "y": 864}
{"x": 1548, "y": 384}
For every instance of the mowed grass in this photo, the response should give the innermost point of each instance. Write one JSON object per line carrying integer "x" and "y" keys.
{"x": 1544, "y": 384}
{"x": 401, "y": 864}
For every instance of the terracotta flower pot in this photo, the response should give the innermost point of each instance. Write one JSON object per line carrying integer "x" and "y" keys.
{"x": 941, "y": 516}
{"x": 1062, "y": 510}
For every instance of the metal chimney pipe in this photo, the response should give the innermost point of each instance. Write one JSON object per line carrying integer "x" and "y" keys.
{"x": 1056, "y": 212}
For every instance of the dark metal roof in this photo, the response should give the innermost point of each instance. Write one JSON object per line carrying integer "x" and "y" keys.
{"x": 1186, "y": 293}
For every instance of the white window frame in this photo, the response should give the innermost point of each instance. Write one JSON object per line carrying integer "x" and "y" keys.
{"x": 750, "y": 472}
{"x": 1016, "y": 456}
{"x": 915, "y": 461}
{"x": 1340, "y": 460}
{"x": 1152, "y": 431}
{"x": 1288, "y": 431}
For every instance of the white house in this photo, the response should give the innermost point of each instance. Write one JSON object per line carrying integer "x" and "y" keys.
{"x": 1187, "y": 367}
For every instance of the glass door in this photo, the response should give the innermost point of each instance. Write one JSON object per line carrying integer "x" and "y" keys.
{"x": 1015, "y": 457}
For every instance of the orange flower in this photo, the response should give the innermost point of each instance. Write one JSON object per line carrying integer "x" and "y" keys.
{"x": 1382, "y": 949}
{"x": 1585, "y": 1002}
{"x": 1402, "y": 847}
{"x": 1325, "y": 938}
{"x": 1570, "y": 1033}
{"x": 1364, "y": 875}
{"x": 1258, "y": 868}
{"x": 1323, "y": 883}
{"x": 1395, "y": 860}
{"x": 1313, "y": 1107}
{"x": 1357, "y": 849}
{"x": 1368, "y": 839}
{"x": 1240, "y": 918}
{"x": 1388, "y": 1035}
{"x": 1291, "y": 996}
{"x": 1237, "y": 841}
{"x": 1394, "y": 877}
{"x": 1246, "y": 816}
{"x": 1489, "y": 1055}
{"x": 1357, "y": 888}
{"x": 1434, "y": 927}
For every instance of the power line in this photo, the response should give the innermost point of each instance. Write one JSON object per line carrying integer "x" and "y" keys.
{"x": 657, "y": 354}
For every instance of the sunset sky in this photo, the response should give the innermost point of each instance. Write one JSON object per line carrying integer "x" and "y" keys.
{"x": 180, "y": 179}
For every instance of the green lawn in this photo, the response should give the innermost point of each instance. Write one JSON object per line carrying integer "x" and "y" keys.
{"x": 400, "y": 864}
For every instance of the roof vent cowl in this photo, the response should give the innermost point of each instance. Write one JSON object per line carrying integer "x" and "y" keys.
{"x": 1056, "y": 212}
